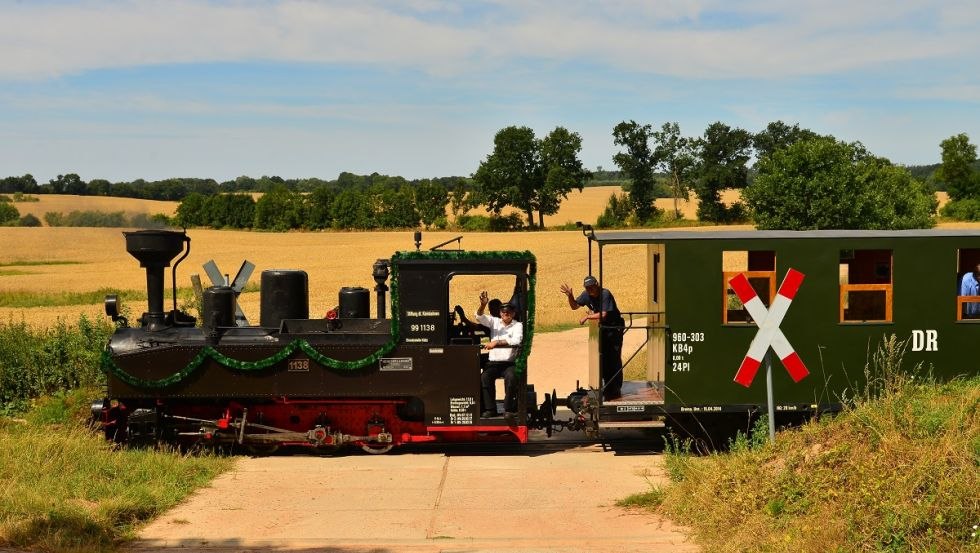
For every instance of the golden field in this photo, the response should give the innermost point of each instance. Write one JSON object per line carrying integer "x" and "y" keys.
{"x": 587, "y": 205}
{"x": 332, "y": 260}
{"x": 64, "y": 203}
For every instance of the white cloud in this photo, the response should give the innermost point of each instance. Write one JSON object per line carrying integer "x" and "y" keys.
{"x": 689, "y": 39}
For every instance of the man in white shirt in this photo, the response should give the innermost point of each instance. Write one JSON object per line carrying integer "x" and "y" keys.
{"x": 505, "y": 335}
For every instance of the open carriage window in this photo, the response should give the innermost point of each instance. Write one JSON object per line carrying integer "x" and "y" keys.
{"x": 759, "y": 267}
{"x": 865, "y": 286}
{"x": 968, "y": 284}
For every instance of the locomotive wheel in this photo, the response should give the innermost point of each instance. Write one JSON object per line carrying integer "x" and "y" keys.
{"x": 377, "y": 449}
{"x": 262, "y": 450}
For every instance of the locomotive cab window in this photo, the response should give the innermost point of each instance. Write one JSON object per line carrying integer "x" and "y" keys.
{"x": 865, "y": 286}
{"x": 759, "y": 267}
{"x": 968, "y": 284}
{"x": 464, "y": 302}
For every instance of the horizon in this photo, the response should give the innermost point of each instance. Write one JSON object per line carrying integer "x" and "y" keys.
{"x": 299, "y": 89}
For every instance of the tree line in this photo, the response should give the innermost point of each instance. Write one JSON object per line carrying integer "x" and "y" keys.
{"x": 799, "y": 179}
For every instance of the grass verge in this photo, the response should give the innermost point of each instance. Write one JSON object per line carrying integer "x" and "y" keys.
{"x": 64, "y": 488}
{"x": 897, "y": 472}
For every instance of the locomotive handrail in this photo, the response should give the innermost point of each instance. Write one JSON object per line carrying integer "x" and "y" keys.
{"x": 207, "y": 352}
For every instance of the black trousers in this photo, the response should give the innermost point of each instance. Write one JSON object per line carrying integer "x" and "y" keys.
{"x": 612, "y": 360}
{"x": 488, "y": 386}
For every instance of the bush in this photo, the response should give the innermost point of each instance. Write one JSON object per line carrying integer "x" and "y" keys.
{"x": 86, "y": 219}
{"x": 21, "y": 197}
{"x": 962, "y": 210}
{"x": 474, "y": 223}
{"x": 617, "y": 212}
{"x": 8, "y": 213}
{"x": 147, "y": 221}
{"x": 30, "y": 220}
{"x": 514, "y": 221}
{"x": 44, "y": 361}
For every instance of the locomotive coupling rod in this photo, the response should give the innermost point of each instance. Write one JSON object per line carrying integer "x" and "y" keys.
{"x": 241, "y": 429}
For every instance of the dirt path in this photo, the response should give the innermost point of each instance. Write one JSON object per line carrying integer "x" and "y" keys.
{"x": 553, "y": 495}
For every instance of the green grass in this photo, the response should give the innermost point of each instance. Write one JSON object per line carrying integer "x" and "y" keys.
{"x": 64, "y": 488}
{"x": 26, "y": 298}
{"x": 24, "y": 263}
{"x": 557, "y": 327}
{"x": 10, "y": 272}
{"x": 897, "y": 471}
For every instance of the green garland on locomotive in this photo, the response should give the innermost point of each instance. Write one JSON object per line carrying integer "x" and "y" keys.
{"x": 208, "y": 352}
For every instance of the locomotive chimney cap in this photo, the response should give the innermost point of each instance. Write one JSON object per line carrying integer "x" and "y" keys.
{"x": 155, "y": 248}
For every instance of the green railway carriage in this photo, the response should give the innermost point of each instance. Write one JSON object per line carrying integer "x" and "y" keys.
{"x": 858, "y": 288}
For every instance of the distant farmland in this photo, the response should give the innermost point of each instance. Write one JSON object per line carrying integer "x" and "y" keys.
{"x": 63, "y": 203}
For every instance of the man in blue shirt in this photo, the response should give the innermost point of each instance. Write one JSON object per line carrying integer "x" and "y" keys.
{"x": 970, "y": 286}
{"x": 602, "y": 307}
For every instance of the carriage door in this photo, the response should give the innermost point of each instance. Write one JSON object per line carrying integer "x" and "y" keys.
{"x": 657, "y": 321}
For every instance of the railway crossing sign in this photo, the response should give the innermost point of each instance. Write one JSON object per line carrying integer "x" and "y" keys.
{"x": 769, "y": 334}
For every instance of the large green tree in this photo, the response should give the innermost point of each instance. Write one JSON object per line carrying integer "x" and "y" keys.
{"x": 563, "y": 170}
{"x": 279, "y": 209}
{"x": 957, "y": 170}
{"x": 430, "y": 201}
{"x": 822, "y": 183}
{"x": 530, "y": 174}
{"x": 674, "y": 155}
{"x": 778, "y": 135}
{"x": 509, "y": 175}
{"x": 321, "y": 202}
{"x": 723, "y": 153}
{"x": 638, "y": 163}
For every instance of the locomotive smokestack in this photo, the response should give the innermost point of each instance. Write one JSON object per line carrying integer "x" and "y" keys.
{"x": 155, "y": 249}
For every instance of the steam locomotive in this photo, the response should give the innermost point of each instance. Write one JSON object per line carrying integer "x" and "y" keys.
{"x": 715, "y": 312}
{"x": 292, "y": 380}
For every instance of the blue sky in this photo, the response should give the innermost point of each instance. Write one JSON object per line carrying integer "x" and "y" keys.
{"x": 124, "y": 90}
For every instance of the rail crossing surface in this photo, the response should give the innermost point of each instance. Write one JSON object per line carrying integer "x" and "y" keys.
{"x": 555, "y": 498}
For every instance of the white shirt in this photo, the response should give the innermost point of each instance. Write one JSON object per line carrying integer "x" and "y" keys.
{"x": 512, "y": 334}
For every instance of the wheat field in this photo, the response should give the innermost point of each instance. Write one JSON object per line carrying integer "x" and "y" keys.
{"x": 64, "y": 203}
{"x": 332, "y": 259}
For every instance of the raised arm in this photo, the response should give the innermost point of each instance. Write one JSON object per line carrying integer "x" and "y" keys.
{"x": 567, "y": 290}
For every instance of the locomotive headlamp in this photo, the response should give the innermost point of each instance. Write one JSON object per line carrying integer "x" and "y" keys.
{"x": 112, "y": 308}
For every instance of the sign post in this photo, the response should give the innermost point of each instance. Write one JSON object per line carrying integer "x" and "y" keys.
{"x": 770, "y": 401}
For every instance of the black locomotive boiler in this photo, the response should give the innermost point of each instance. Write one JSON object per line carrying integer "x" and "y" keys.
{"x": 373, "y": 382}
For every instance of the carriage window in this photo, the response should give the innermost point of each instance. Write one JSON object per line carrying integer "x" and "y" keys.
{"x": 967, "y": 287}
{"x": 865, "y": 286}
{"x": 759, "y": 267}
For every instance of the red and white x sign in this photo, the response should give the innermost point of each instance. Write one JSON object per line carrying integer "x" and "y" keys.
{"x": 769, "y": 333}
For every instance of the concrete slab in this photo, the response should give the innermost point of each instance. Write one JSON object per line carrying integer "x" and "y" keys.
{"x": 432, "y": 502}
